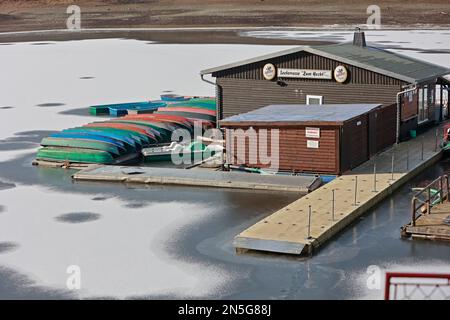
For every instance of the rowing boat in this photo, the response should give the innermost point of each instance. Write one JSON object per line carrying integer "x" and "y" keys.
{"x": 121, "y": 136}
{"x": 84, "y": 144}
{"x": 75, "y": 155}
{"x": 188, "y": 114}
{"x": 173, "y": 97}
{"x": 135, "y": 132}
{"x": 204, "y": 103}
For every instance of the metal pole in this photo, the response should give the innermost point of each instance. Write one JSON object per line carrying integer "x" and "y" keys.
{"x": 309, "y": 222}
{"x": 413, "y": 213}
{"x": 407, "y": 159}
{"x": 422, "y": 146}
{"x": 332, "y": 205}
{"x": 441, "y": 190}
{"x": 429, "y": 201}
{"x": 447, "y": 188}
{"x": 356, "y": 187}
{"x": 392, "y": 165}
{"x": 436, "y": 141}
{"x": 374, "y": 175}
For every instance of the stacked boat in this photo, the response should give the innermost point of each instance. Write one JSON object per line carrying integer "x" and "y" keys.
{"x": 145, "y": 107}
{"x": 138, "y": 125}
{"x": 115, "y": 141}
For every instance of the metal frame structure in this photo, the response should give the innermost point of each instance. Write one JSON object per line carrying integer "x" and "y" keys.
{"x": 409, "y": 275}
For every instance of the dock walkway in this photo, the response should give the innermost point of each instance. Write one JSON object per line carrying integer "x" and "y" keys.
{"x": 206, "y": 178}
{"x": 432, "y": 226}
{"x": 430, "y": 212}
{"x": 313, "y": 219}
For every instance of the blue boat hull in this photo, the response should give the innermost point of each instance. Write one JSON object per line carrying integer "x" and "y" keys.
{"x": 88, "y": 136}
{"x": 121, "y": 109}
{"x": 80, "y": 133}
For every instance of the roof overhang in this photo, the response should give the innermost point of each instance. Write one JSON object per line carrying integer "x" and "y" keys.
{"x": 278, "y": 123}
{"x": 326, "y": 55}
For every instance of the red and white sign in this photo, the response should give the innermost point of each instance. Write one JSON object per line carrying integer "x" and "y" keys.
{"x": 312, "y": 132}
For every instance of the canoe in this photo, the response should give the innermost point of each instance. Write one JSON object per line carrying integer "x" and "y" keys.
{"x": 138, "y": 138}
{"x": 122, "y": 108}
{"x": 82, "y": 143}
{"x": 121, "y": 132}
{"x": 158, "y": 123}
{"x": 118, "y": 109}
{"x": 145, "y": 137}
{"x": 204, "y": 103}
{"x": 123, "y": 137}
{"x": 75, "y": 155}
{"x": 135, "y": 128}
{"x": 173, "y": 97}
{"x": 87, "y": 137}
{"x": 132, "y": 135}
{"x": 163, "y": 128}
{"x": 191, "y": 115}
{"x": 189, "y": 109}
{"x": 168, "y": 118}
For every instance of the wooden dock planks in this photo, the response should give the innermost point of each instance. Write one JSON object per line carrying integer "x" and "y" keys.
{"x": 431, "y": 226}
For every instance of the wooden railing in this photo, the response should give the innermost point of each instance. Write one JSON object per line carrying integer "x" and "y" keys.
{"x": 434, "y": 193}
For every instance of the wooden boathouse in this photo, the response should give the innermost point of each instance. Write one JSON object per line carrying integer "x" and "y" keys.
{"x": 353, "y": 72}
{"x": 325, "y": 138}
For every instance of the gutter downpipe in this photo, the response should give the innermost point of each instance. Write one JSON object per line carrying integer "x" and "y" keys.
{"x": 397, "y": 133}
{"x": 202, "y": 76}
{"x": 217, "y": 110}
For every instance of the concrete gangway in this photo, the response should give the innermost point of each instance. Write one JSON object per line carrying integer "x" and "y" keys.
{"x": 312, "y": 220}
{"x": 199, "y": 178}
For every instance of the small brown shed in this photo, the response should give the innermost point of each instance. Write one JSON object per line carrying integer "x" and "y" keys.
{"x": 327, "y": 139}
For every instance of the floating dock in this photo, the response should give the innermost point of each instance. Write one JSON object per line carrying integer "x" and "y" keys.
{"x": 430, "y": 212}
{"x": 433, "y": 226}
{"x": 309, "y": 222}
{"x": 205, "y": 178}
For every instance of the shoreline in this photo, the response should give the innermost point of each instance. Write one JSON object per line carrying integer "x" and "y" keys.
{"x": 189, "y": 35}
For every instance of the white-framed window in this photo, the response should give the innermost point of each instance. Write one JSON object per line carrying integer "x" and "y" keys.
{"x": 314, "y": 99}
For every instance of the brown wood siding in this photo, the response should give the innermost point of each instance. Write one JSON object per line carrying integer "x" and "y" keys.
{"x": 386, "y": 128}
{"x": 409, "y": 109}
{"x": 372, "y": 131}
{"x": 241, "y": 95}
{"x": 306, "y": 60}
{"x": 354, "y": 142}
{"x": 293, "y": 153}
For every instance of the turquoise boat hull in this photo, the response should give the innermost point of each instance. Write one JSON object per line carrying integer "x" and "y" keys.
{"x": 83, "y": 144}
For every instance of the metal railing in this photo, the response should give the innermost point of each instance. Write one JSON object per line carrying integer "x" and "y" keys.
{"x": 434, "y": 193}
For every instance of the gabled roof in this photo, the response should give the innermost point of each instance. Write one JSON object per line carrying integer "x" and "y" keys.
{"x": 295, "y": 113}
{"x": 371, "y": 58}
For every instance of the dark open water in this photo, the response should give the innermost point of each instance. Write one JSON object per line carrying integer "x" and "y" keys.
{"x": 337, "y": 271}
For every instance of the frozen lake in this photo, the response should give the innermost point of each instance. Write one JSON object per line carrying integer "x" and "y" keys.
{"x": 170, "y": 242}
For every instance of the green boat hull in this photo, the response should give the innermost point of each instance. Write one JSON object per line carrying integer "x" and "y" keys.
{"x": 83, "y": 144}
{"x": 98, "y": 110}
{"x": 75, "y": 155}
{"x": 208, "y": 104}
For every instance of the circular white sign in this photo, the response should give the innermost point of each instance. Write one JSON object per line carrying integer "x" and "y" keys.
{"x": 340, "y": 74}
{"x": 269, "y": 71}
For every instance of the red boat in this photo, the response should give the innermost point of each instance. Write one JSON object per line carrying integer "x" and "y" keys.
{"x": 188, "y": 109}
{"x": 161, "y": 117}
{"x": 130, "y": 127}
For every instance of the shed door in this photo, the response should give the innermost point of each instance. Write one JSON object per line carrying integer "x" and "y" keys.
{"x": 354, "y": 143}
{"x": 372, "y": 133}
